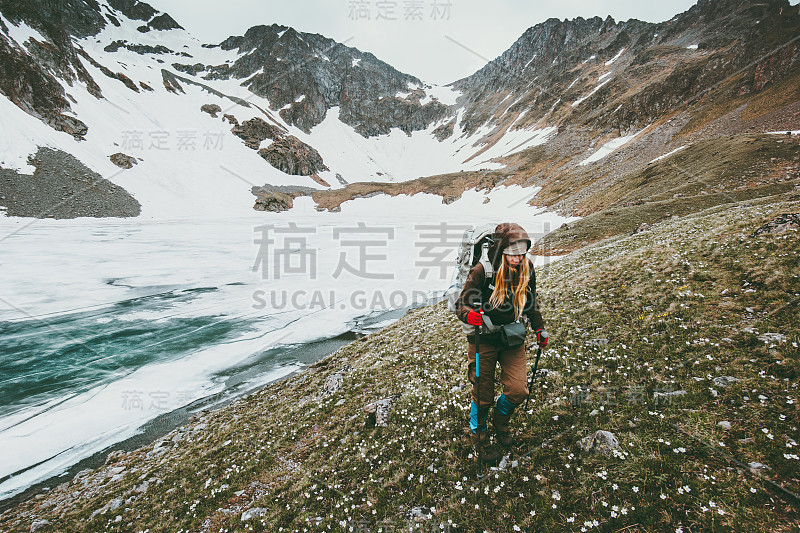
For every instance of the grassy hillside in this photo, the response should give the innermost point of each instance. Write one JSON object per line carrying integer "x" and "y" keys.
{"x": 665, "y": 310}
{"x": 713, "y": 172}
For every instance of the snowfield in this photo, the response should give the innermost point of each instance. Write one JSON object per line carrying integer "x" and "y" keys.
{"x": 190, "y": 164}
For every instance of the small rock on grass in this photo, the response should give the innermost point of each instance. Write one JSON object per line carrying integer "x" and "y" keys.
{"x": 332, "y": 384}
{"x": 669, "y": 394}
{"x": 420, "y": 513}
{"x": 39, "y": 524}
{"x": 600, "y": 442}
{"x": 252, "y": 513}
{"x": 724, "y": 381}
{"x": 772, "y": 337}
{"x": 380, "y": 409}
{"x": 544, "y": 373}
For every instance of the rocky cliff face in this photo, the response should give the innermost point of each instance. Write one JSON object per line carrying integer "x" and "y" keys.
{"x": 621, "y": 76}
{"x": 30, "y": 71}
{"x": 286, "y": 152}
{"x": 303, "y": 75}
{"x": 620, "y": 95}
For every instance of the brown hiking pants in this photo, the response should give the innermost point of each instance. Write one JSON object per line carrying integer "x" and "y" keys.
{"x": 513, "y": 373}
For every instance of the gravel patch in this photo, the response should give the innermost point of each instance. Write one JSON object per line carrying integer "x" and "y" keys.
{"x": 63, "y": 187}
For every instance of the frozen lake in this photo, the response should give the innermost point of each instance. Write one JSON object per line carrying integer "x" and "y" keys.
{"x": 107, "y": 324}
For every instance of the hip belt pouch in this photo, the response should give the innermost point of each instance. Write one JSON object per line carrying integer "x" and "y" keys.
{"x": 512, "y": 335}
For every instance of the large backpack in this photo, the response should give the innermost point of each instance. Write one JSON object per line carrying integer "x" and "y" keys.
{"x": 474, "y": 249}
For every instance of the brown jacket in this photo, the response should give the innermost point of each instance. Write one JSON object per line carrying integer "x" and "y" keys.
{"x": 476, "y": 290}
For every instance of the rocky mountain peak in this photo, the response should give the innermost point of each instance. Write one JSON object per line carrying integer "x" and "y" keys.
{"x": 304, "y": 75}
{"x": 260, "y": 36}
{"x": 632, "y": 72}
{"x": 56, "y": 20}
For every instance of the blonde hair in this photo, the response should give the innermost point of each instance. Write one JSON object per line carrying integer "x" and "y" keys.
{"x": 515, "y": 279}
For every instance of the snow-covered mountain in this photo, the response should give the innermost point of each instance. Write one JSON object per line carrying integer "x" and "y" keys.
{"x": 188, "y": 128}
{"x": 199, "y": 125}
{"x": 623, "y": 94}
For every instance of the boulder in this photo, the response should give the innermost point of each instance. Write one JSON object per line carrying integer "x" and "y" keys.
{"x": 115, "y": 504}
{"x": 292, "y": 156}
{"x": 252, "y": 513}
{"x": 332, "y": 384}
{"x": 273, "y": 201}
{"x": 378, "y": 412}
{"x": 600, "y": 441}
{"x": 772, "y": 337}
{"x": 669, "y": 394}
{"x": 724, "y": 381}
{"x": 255, "y": 130}
{"x": 211, "y": 109}
{"x": 68, "y": 124}
{"x": 122, "y": 160}
{"x": 779, "y": 224}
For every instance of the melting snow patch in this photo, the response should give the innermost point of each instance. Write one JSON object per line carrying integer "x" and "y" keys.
{"x": 692, "y": 47}
{"x": 607, "y": 148}
{"x": 529, "y": 62}
{"x": 611, "y": 61}
{"x": 356, "y": 61}
{"x": 573, "y": 82}
{"x": 579, "y": 100}
{"x": 516, "y": 141}
{"x": 604, "y": 76}
{"x": 659, "y": 158}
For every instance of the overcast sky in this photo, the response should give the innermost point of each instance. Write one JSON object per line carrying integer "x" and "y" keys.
{"x": 438, "y": 41}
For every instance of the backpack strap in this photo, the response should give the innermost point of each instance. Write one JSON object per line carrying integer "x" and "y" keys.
{"x": 488, "y": 270}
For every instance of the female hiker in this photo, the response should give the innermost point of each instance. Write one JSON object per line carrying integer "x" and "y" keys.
{"x": 500, "y": 304}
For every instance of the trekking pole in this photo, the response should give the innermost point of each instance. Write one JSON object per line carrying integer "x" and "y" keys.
{"x": 478, "y": 389}
{"x": 533, "y": 376}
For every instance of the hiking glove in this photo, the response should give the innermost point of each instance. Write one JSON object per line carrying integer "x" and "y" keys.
{"x": 474, "y": 318}
{"x": 542, "y": 337}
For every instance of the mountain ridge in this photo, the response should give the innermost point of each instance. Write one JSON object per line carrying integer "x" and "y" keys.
{"x": 541, "y": 111}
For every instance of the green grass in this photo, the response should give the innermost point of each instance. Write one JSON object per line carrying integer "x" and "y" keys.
{"x": 679, "y": 305}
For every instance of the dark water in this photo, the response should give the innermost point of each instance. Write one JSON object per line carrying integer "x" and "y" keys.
{"x": 42, "y": 357}
{"x": 67, "y": 357}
